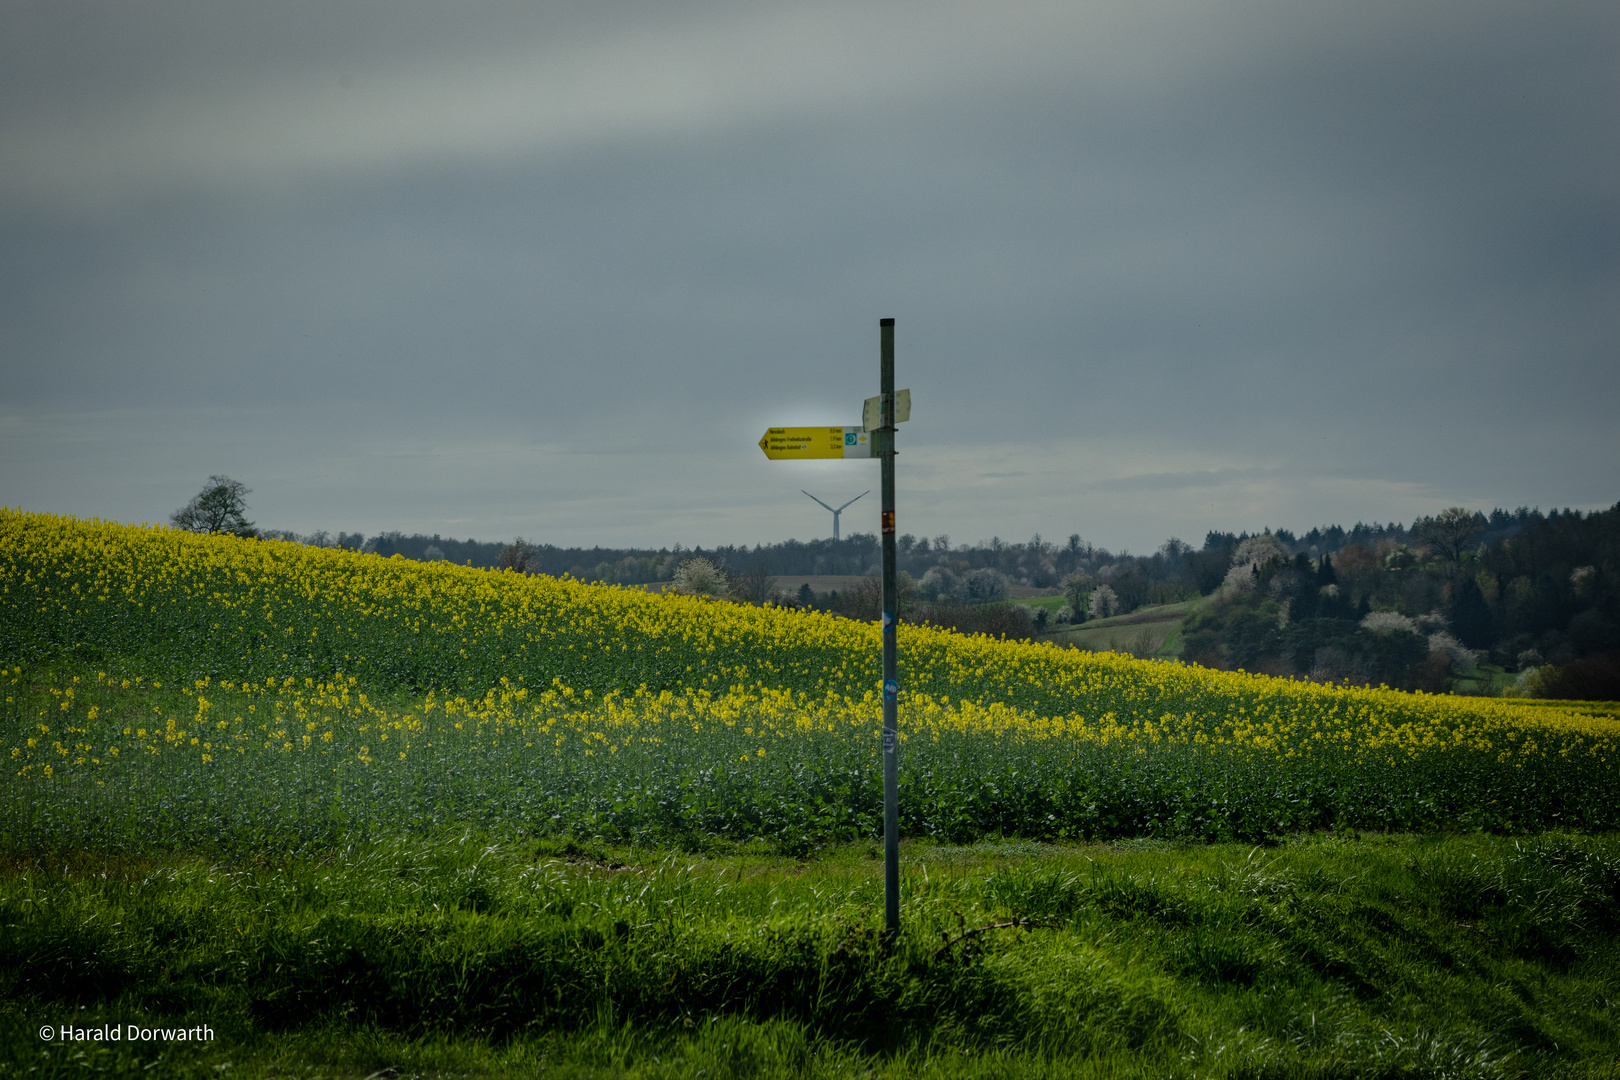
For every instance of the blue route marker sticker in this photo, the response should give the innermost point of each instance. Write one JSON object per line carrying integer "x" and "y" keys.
{"x": 888, "y": 620}
{"x": 891, "y": 687}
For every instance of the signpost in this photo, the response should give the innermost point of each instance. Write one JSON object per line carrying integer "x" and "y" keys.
{"x": 874, "y": 438}
{"x": 891, "y": 652}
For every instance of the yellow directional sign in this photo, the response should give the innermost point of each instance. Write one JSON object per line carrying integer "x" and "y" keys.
{"x": 792, "y": 443}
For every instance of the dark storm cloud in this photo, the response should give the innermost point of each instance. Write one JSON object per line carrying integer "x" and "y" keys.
{"x": 1157, "y": 268}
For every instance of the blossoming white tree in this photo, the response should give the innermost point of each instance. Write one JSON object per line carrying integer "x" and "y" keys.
{"x": 698, "y": 576}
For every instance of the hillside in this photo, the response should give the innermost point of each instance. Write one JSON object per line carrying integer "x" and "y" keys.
{"x": 360, "y": 816}
{"x": 701, "y": 708}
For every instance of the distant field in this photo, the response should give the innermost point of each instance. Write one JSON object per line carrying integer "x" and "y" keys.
{"x": 1148, "y": 631}
{"x": 840, "y": 582}
{"x": 825, "y": 583}
{"x": 1487, "y": 679}
{"x": 1041, "y": 597}
{"x": 821, "y": 583}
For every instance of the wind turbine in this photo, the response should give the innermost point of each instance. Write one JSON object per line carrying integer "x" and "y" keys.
{"x": 838, "y": 511}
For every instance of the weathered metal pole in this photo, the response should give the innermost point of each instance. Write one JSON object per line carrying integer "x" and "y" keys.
{"x": 891, "y": 681}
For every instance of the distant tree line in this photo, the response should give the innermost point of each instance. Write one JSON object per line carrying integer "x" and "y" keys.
{"x": 1538, "y": 594}
{"x": 1409, "y": 606}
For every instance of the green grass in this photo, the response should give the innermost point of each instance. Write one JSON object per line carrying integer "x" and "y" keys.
{"x": 1341, "y": 956}
{"x": 1486, "y": 680}
{"x": 1153, "y": 631}
{"x": 1150, "y": 613}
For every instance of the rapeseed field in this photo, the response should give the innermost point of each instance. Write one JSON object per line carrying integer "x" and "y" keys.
{"x": 365, "y": 816}
{"x": 164, "y": 688}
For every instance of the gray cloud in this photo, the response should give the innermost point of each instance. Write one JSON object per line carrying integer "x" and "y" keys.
{"x": 1201, "y": 479}
{"x": 543, "y": 89}
{"x": 1158, "y": 268}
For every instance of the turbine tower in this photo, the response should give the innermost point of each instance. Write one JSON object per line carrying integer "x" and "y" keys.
{"x": 838, "y": 511}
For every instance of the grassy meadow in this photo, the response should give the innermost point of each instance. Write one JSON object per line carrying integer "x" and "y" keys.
{"x": 1153, "y": 631}
{"x": 372, "y": 813}
{"x": 1330, "y": 956}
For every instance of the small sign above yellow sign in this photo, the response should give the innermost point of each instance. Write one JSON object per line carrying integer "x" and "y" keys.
{"x": 791, "y": 443}
{"x": 872, "y": 410}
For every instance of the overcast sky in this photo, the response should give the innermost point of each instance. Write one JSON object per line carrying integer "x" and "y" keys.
{"x": 551, "y": 269}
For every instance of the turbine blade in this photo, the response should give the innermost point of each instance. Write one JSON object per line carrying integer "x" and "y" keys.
{"x": 868, "y": 491}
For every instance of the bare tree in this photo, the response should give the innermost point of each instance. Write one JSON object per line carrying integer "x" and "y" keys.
{"x": 1449, "y": 531}
{"x": 520, "y": 556}
{"x": 754, "y": 585}
{"x": 863, "y": 600}
{"x": 220, "y": 507}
